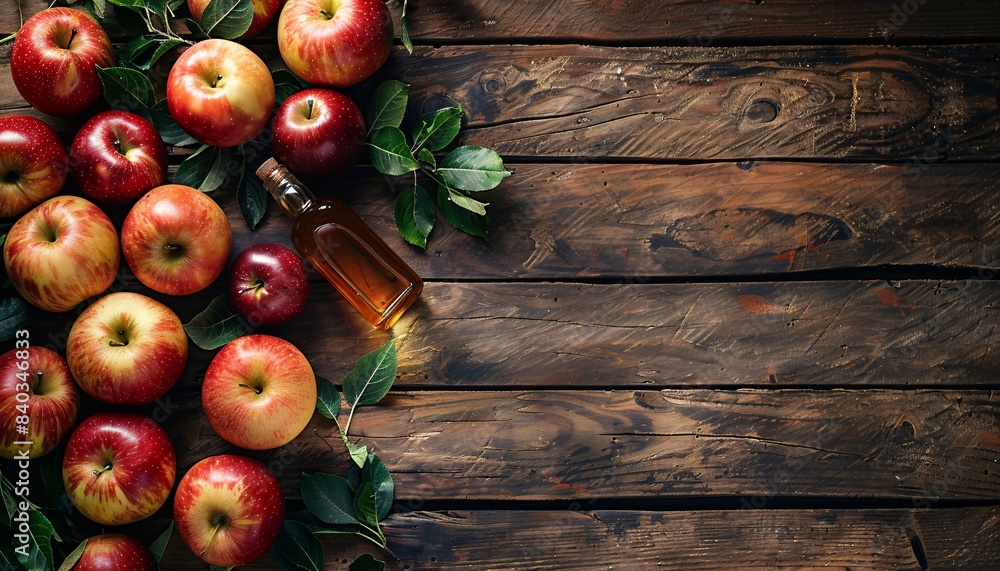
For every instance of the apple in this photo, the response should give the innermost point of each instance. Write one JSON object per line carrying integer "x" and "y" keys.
{"x": 176, "y": 240}
{"x": 229, "y": 509}
{"x": 35, "y": 384}
{"x": 119, "y": 467}
{"x": 127, "y": 349}
{"x": 263, "y": 12}
{"x": 334, "y": 43}
{"x": 259, "y": 392}
{"x": 117, "y": 156}
{"x": 220, "y": 93}
{"x": 61, "y": 252}
{"x": 54, "y": 61}
{"x": 319, "y": 131}
{"x": 268, "y": 284}
{"x": 115, "y": 552}
{"x": 33, "y": 164}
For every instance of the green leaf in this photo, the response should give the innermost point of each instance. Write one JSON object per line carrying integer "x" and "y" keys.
{"x": 464, "y": 220}
{"x": 427, "y": 157}
{"x": 375, "y": 472}
{"x": 372, "y": 376}
{"x": 414, "y": 212}
{"x": 367, "y": 562}
{"x": 364, "y": 505}
{"x": 206, "y": 169}
{"x": 126, "y": 88}
{"x": 9, "y": 504}
{"x": 196, "y": 30}
{"x": 354, "y": 477}
{"x": 404, "y": 32}
{"x": 299, "y": 546}
{"x": 97, "y": 7}
{"x": 227, "y": 19}
{"x": 282, "y": 563}
{"x": 251, "y": 197}
{"x": 437, "y": 129}
{"x": 286, "y": 83}
{"x": 138, "y": 4}
{"x": 53, "y": 488}
{"x": 163, "y": 45}
{"x": 327, "y": 398}
{"x": 358, "y": 452}
{"x": 466, "y": 202}
{"x": 160, "y": 543}
{"x": 137, "y": 47}
{"x": 40, "y": 532}
{"x": 472, "y": 168}
{"x": 389, "y": 152}
{"x": 73, "y": 556}
{"x": 13, "y": 316}
{"x": 217, "y": 325}
{"x": 388, "y": 105}
{"x": 169, "y": 130}
{"x": 329, "y": 497}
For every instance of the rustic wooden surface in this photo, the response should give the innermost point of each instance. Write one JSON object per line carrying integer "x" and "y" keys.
{"x": 736, "y": 309}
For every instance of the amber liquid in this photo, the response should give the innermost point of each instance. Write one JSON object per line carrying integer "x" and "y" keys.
{"x": 373, "y": 278}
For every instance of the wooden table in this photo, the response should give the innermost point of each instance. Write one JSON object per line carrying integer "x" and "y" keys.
{"x": 736, "y": 309}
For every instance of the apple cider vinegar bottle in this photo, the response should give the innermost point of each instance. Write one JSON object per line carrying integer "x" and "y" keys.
{"x": 338, "y": 243}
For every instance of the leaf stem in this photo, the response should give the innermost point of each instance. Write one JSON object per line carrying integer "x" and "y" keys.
{"x": 20, "y": 18}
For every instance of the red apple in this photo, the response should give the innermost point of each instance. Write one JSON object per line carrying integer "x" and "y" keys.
{"x": 229, "y": 509}
{"x": 36, "y": 386}
{"x": 61, "y": 252}
{"x": 115, "y": 552}
{"x": 54, "y": 60}
{"x": 119, "y": 467}
{"x": 127, "y": 348}
{"x": 220, "y": 93}
{"x": 32, "y": 164}
{"x": 268, "y": 284}
{"x": 117, "y": 156}
{"x": 319, "y": 131}
{"x": 334, "y": 43}
{"x": 263, "y": 12}
{"x": 259, "y": 392}
{"x": 176, "y": 239}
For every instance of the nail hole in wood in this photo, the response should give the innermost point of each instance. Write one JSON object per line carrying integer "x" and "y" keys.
{"x": 762, "y": 111}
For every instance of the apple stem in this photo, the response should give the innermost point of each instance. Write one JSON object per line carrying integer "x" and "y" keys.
{"x": 254, "y": 389}
{"x": 72, "y": 34}
{"x": 38, "y": 382}
{"x": 106, "y": 467}
{"x": 311, "y": 102}
{"x": 325, "y": 14}
{"x": 218, "y": 522}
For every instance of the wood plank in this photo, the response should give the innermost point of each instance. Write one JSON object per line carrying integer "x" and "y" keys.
{"x": 768, "y": 335}
{"x": 683, "y": 22}
{"x": 694, "y": 22}
{"x": 557, "y": 221}
{"x": 584, "y": 539}
{"x": 719, "y": 103}
{"x": 919, "y": 445}
{"x": 588, "y": 102}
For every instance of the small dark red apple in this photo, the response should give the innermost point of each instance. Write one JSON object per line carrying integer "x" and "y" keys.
{"x": 268, "y": 284}
{"x": 117, "y": 156}
{"x": 319, "y": 131}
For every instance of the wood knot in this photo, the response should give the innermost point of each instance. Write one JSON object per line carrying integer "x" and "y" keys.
{"x": 762, "y": 111}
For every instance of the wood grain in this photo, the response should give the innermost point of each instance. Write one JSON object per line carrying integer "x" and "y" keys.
{"x": 585, "y": 539}
{"x": 768, "y": 335}
{"x": 693, "y": 22}
{"x": 680, "y": 104}
{"x": 924, "y": 445}
{"x": 683, "y": 22}
{"x": 717, "y": 103}
{"x": 558, "y": 221}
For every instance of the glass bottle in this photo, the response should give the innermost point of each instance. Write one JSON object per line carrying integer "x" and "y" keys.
{"x": 338, "y": 243}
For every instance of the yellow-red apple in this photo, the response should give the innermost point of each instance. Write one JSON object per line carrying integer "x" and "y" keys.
{"x": 62, "y": 252}
{"x": 38, "y": 394}
{"x": 176, "y": 240}
{"x": 33, "y": 164}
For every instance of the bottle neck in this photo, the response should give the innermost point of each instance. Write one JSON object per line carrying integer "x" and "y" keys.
{"x": 293, "y": 196}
